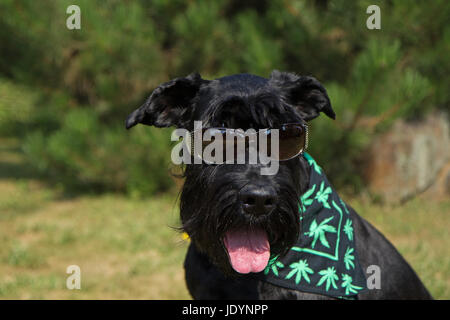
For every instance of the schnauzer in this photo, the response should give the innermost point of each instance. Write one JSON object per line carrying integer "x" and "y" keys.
{"x": 242, "y": 224}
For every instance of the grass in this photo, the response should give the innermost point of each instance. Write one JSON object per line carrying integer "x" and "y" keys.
{"x": 419, "y": 231}
{"x": 126, "y": 248}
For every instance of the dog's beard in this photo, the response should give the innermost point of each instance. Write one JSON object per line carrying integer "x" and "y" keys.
{"x": 237, "y": 242}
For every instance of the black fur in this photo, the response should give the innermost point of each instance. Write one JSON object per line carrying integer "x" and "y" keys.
{"x": 210, "y": 204}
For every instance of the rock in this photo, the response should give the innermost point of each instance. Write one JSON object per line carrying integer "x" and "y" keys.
{"x": 411, "y": 158}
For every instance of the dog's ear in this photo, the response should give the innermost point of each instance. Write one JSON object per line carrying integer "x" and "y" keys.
{"x": 169, "y": 104}
{"x": 305, "y": 94}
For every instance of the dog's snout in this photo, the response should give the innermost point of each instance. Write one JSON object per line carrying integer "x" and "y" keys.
{"x": 258, "y": 200}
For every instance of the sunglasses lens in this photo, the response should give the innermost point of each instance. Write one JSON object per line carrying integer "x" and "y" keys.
{"x": 210, "y": 147}
{"x": 292, "y": 141}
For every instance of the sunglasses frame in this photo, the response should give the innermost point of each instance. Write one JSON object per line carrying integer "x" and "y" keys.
{"x": 305, "y": 128}
{"x": 303, "y": 125}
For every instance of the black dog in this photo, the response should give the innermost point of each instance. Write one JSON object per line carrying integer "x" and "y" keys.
{"x": 215, "y": 198}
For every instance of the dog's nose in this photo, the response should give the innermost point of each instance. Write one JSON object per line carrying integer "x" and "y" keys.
{"x": 258, "y": 200}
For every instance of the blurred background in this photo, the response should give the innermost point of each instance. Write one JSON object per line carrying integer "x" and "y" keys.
{"x": 76, "y": 188}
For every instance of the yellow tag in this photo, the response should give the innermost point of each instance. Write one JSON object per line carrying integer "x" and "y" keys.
{"x": 185, "y": 236}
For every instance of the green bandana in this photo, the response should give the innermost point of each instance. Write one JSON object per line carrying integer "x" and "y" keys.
{"x": 324, "y": 259}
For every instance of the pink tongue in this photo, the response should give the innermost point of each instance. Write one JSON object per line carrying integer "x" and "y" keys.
{"x": 249, "y": 250}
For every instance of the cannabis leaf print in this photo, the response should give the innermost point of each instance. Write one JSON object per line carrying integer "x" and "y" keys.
{"x": 347, "y": 284}
{"x": 322, "y": 195}
{"x": 345, "y": 206}
{"x": 348, "y": 258}
{"x": 324, "y": 257}
{"x": 305, "y": 200}
{"x": 273, "y": 265}
{"x": 301, "y": 270}
{"x": 318, "y": 232}
{"x": 348, "y": 229}
{"x": 315, "y": 166}
{"x": 313, "y": 163}
{"x": 329, "y": 275}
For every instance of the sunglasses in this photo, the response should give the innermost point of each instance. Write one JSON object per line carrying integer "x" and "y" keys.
{"x": 292, "y": 141}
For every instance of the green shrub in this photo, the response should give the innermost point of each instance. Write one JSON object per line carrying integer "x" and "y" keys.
{"x": 16, "y": 103}
{"x": 66, "y": 93}
{"x": 85, "y": 155}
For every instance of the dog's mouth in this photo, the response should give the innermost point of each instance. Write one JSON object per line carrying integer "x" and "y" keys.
{"x": 248, "y": 249}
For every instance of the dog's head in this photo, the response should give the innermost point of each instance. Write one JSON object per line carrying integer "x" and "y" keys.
{"x": 231, "y": 212}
